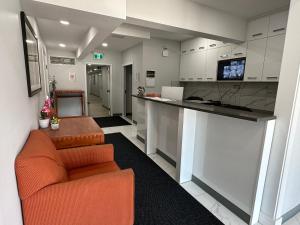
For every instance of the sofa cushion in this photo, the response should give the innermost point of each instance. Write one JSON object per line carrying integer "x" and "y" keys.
{"x": 87, "y": 171}
{"x": 38, "y": 165}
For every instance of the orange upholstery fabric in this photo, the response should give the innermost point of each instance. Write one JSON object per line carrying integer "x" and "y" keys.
{"x": 92, "y": 170}
{"x": 38, "y": 165}
{"x": 83, "y": 156}
{"x": 81, "y": 186}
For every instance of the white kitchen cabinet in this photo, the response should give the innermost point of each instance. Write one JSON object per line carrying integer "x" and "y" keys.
{"x": 258, "y": 29}
{"x": 239, "y": 50}
{"x": 184, "y": 61}
{"x": 199, "y": 65}
{"x": 274, "y": 52}
{"x": 224, "y": 53}
{"x": 278, "y": 23}
{"x": 255, "y": 59}
{"x": 211, "y": 64}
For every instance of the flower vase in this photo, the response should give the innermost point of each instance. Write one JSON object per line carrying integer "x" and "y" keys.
{"x": 44, "y": 123}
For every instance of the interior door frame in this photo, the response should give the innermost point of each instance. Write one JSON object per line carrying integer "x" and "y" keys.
{"x": 124, "y": 86}
{"x": 110, "y": 86}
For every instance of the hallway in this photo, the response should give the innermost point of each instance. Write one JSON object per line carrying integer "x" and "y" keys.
{"x": 95, "y": 107}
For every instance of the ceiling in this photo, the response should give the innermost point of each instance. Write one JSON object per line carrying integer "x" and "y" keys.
{"x": 54, "y": 33}
{"x": 246, "y": 8}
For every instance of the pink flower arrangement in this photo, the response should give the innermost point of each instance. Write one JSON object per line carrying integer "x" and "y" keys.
{"x": 46, "y": 109}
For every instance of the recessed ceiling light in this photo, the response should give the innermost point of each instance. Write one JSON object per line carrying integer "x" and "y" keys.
{"x": 62, "y": 45}
{"x": 104, "y": 44}
{"x": 29, "y": 41}
{"x": 64, "y": 22}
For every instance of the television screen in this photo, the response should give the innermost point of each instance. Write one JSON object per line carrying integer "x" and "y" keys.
{"x": 232, "y": 69}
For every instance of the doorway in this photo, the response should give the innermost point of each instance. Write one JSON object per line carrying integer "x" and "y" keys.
{"x": 128, "y": 92}
{"x": 98, "y": 90}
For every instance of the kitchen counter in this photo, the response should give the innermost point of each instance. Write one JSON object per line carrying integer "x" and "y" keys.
{"x": 255, "y": 115}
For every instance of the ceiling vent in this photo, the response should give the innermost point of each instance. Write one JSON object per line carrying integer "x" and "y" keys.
{"x": 62, "y": 60}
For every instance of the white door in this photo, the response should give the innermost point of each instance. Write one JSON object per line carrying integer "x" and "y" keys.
{"x": 199, "y": 64}
{"x": 211, "y": 64}
{"x": 273, "y": 58}
{"x": 255, "y": 59}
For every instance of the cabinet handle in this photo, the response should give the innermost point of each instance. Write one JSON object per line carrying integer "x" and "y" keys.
{"x": 212, "y": 45}
{"x": 191, "y": 78}
{"x": 209, "y": 78}
{"x": 279, "y": 29}
{"x": 272, "y": 78}
{"x": 251, "y": 78}
{"x": 184, "y": 51}
{"x": 201, "y": 48}
{"x": 182, "y": 78}
{"x": 239, "y": 53}
{"x": 256, "y": 35}
{"x": 224, "y": 56}
{"x": 192, "y": 49}
{"x": 199, "y": 78}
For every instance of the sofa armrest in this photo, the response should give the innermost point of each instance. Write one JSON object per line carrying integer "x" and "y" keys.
{"x": 97, "y": 200}
{"x": 88, "y": 155}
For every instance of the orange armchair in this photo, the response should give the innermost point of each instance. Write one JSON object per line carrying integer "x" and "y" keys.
{"x": 81, "y": 186}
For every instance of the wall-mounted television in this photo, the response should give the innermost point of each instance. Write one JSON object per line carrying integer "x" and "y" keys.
{"x": 231, "y": 69}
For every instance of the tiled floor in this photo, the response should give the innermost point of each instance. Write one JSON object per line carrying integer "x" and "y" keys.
{"x": 216, "y": 208}
{"x": 95, "y": 107}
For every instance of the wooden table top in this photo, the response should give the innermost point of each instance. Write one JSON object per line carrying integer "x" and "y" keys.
{"x": 74, "y": 127}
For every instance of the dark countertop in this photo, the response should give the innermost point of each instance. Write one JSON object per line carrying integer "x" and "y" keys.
{"x": 255, "y": 115}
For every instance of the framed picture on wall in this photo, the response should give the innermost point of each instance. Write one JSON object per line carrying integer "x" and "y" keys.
{"x": 31, "y": 54}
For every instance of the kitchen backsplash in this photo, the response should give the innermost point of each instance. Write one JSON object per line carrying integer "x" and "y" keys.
{"x": 253, "y": 95}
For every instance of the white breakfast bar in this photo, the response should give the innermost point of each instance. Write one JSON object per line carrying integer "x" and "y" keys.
{"x": 225, "y": 151}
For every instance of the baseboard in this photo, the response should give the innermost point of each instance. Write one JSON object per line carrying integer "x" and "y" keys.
{"x": 167, "y": 158}
{"x": 140, "y": 139}
{"x": 266, "y": 220}
{"x": 290, "y": 214}
{"x": 228, "y": 204}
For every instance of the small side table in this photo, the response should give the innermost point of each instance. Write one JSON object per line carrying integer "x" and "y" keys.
{"x": 76, "y": 132}
{"x": 69, "y": 94}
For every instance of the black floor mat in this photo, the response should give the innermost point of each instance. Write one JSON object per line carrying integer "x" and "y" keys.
{"x": 159, "y": 200}
{"x": 111, "y": 121}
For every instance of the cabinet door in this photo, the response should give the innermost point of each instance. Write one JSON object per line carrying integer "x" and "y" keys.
{"x": 224, "y": 53}
{"x": 258, "y": 29}
{"x": 199, "y": 64}
{"x": 184, "y": 67}
{"x": 273, "y": 58}
{"x": 239, "y": 51}
{"x": 255, "y": 59}
{"x": 211, "y": 64}
{"x": 278, "y": 23}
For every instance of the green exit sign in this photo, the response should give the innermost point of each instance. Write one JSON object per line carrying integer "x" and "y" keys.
{"x": 98, "y": 55}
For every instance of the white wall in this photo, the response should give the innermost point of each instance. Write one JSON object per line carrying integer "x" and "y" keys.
{"x": 166, "y": 68}
{"x": 276, "y": 202}
{"x": 61, "y": 73}
{"x": 19, "y": 113}
{"x": 133, "y": 56}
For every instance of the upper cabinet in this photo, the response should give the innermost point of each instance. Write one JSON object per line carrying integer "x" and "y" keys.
{"x": 258, "y": 28}
{"x": 255, "y": 59}
{"x": 272, "y": 63}
{"x": 263, "y": 51}
{"x": 278, "y": 23}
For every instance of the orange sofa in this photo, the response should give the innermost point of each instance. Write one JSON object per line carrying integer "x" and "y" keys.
{"x": 82, "y": 186}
